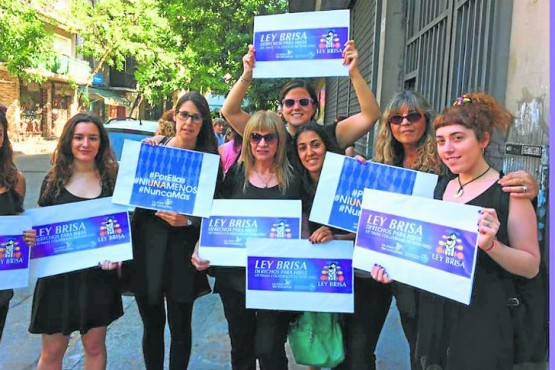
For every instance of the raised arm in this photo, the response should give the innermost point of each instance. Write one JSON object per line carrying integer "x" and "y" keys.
{"x": 353, "y": 128}
{"x": 231, "y": 108}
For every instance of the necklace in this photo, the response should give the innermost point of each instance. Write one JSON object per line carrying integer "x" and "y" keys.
{"x": 262, "y": 179}
{"x": 460, "y": 192}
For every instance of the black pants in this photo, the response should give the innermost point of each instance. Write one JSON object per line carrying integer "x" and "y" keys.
{"x": 254, "y": 333}
{"x": 3, "y": 315}
{"x": 361, "y": 330}
{"x": 154, "y": 322}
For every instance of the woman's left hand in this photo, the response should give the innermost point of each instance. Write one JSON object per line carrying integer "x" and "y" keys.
{"x": 350, "y": 55}
{"x": 488, "y": 225}
{"x": 379, "y": 274}
{"x": 30, "y": 236}
{"x": 520, "y": 184}
{"x": 321, "y": 235}
{"x": 108, "y": 265}
{"x": 174, "y": 219}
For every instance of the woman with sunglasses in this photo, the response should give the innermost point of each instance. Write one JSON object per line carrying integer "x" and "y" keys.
{"x": 263, "y": 172}
{"x": 165, "y": 282}
{"x": 299, "y": 103}
{"x": 12, "y": 192}
{"x": 406, "y": 138}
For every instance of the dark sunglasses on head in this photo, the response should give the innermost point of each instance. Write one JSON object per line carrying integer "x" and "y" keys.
{"x": 268, "y": 138}
{"x": 304, "y": 102}
{"x": 411, "y": 117}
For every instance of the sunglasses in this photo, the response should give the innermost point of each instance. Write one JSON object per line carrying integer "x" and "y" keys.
{"x": 268, "y": 138}
{"x": 411, "y": 117}
{"x": 184, "y": 115}
{"x": 304, "y": 102}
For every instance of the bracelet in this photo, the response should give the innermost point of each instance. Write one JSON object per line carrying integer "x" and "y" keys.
{"x": 244, "y": 80}
{"x": 490, "y": 247}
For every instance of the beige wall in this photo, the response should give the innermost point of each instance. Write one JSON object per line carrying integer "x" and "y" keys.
{"x": 528, "y": 73}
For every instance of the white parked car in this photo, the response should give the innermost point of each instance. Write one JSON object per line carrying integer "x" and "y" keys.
{"x": 120, "y": 129}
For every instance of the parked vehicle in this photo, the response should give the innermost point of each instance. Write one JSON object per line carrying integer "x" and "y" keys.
{"x": 128, "y": 128}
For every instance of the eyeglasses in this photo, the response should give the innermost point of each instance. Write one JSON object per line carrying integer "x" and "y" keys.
{"x": 411, "y": 117}
{"x": 184, "y": 115}
{"x": 303, "y": 102}
{"x": 268, "y": 138}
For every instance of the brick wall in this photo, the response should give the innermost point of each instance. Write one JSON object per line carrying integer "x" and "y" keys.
{"x": 9, "y": 96}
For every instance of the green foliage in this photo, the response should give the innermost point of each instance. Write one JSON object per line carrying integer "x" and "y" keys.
{"x": 217, "y": 32}
{"x": 26, "y": 43}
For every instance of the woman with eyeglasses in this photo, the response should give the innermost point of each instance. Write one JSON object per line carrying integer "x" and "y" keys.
{"x": 406, "y": 138}
{"x": 452, "y": 335}
{"x": 12, "y": 192}
{"x": 299, "y": 104}
{"x": 165, "y": 283}
{"x": 263, "y": 172}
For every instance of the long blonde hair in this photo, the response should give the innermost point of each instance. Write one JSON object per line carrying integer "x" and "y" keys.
{"x": 390, "y": 151}
{"x": 267, "y": 121}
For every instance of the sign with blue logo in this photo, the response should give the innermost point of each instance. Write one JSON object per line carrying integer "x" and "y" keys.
{"x": 14, "y": 252}
{"x": 166, "y": 178}
{"x": 79, "y": 235}
{"x": 339, "y": 193}
{"x": 311, "y": 45}
{"x": 224, "y": 235}
{"x": 297, "y": 275}
{"x": 427, "y": 243}
{"x": 98, "y": 79}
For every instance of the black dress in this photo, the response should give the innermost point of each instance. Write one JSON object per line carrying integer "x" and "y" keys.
{"x": 77, "y": 300}
{"x": 452, "y": 335}
{"x": 10, "y": 205}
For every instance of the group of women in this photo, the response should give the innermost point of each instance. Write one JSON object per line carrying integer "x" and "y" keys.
{"x": 280, "y": 161}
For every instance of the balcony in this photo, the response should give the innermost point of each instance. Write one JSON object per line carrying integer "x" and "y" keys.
{"x": 74, "y": 69}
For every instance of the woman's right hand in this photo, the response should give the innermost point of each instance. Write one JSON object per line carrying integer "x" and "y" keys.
{"x": 360, "y": 159}
{"x": 378, "y": 273}
{"x": 30, "y": 236}
{"x": 197, "y": 262}
{"x": 155, "y": 140}
{"x": 249, "y": 60}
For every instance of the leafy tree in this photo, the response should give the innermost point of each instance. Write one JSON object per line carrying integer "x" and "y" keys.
{"x": 26, "y": 45}
{"x": 215, "y": 35}
{"x": 114, "y": 30}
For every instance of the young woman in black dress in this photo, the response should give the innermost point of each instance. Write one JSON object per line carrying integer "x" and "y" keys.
{"x": 12, "y": 192}
{"x": 83, "y": 168}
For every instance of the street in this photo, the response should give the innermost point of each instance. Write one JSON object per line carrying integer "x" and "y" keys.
{"x": 21, "y": 350}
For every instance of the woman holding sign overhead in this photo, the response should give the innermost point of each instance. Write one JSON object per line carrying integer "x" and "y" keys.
{"x": 452, "y": 335}
{"x": 83, "y": 168}
{"x": 165, "y": 283}
{"x": 12, "y": 192}
{"x": 299, "y": 103}
{"x": 264, "y": 172}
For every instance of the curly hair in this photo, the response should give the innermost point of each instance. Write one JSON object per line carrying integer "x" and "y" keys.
{"x": 267, "y": 121}
{"x": 477, "y": 111}
{"x": 62, "y": 159}
{"x": 166, "y": 124}
{"x": 390, "y": 151}
{"x": 8, "y": 170}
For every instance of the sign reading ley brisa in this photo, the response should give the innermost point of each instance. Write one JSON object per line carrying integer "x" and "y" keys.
{"x": 311, "y": 45}
{"x": 298, "y": 275}
{"x": 223, "y": 236}
{"x": 166, "y": 178}
{"x": 14, "y": 252}
{"x": 426, "y": 243}
{"x": 78, "y": 235}
{"x": 339, "y": 194}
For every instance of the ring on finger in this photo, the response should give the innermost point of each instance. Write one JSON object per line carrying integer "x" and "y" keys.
{"x": 486, "y": 224}
{"x": 524, "y": 189}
